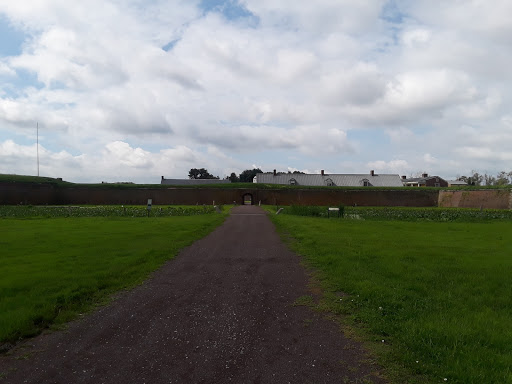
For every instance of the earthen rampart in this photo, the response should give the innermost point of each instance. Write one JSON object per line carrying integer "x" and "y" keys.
{"x": 51, "y": 194}
{"x": 40, "y": 194}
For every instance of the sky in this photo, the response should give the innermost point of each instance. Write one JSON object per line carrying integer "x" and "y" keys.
{"x": 132, "y": 90}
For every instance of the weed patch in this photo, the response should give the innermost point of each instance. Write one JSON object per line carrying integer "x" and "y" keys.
{"x": 404, "y": 213}
{"x": 433, "y": 298}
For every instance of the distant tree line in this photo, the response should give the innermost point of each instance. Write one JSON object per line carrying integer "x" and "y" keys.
{"x": 200, "y": 173}
{"x": 246, "y": 176}
{"x": 502, "y": 178}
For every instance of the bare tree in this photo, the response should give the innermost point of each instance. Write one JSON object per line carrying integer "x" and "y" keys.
{"x": 489, "y": 180}
{"x": 502, "y": 178}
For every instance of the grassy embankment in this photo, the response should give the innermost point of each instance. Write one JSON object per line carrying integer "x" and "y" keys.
{"x": 6, "y": 178}
{"x": 54, "y": 268}
{"x": 432, "y": 299}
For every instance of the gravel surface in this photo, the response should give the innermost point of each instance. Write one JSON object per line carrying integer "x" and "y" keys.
{"x": 220, "y": 312}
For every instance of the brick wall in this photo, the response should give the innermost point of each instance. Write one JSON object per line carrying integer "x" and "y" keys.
{"x": 486, "y": 199}
{"x": 37, "y": 194}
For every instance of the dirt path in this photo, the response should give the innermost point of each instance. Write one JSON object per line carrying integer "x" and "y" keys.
{"x": 220, "y": 312}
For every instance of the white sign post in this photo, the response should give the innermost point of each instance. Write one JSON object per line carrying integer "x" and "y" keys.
{"x": 333, "y": 210}
{"x": 150, "y": 202}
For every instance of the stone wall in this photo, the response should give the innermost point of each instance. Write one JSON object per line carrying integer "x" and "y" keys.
{"x": 37, "y": 194}
{"x": 40, "y": 194}
{"x": 485, "y": 199}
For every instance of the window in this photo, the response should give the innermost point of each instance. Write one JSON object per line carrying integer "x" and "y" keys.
{"x": 293, "y": 182}
{"x": 365, "y": 183}
{"x": 437, "y": 184}
{"x": 329, "y": 182}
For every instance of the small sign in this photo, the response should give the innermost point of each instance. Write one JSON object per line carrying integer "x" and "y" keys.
{"x": 150, "y": 202}
{"x": 334, "y": 211}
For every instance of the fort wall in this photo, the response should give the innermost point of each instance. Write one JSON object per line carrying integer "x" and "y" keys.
{"x": 485, "y": 199}
{"x": 40, "y": 194}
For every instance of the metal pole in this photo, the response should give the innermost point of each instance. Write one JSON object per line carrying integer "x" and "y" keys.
{"x": 37, "y": 149}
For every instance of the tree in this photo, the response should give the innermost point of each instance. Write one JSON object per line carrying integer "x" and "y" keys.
{"x": 475, "y": 179}
{"x": 200, "y": 173}
{"x": 248, "y": 175}
{"x": 502, "y": 178}
{"x": 489, "y": 180}
{"x": 233, "y": 178}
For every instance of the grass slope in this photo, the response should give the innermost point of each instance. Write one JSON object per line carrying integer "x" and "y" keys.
{"x": 435, "y": 299}
{"x": 6, "y": 178}
{"x": 52, "y": 269}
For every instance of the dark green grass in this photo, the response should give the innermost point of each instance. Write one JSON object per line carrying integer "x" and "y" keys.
{"x": 48, "y": 211}
{"x": 52, "y": 269}
{"x": 438, "y": 294}
{"x": 400, "y": 213}
{"x": 6, "y": 178}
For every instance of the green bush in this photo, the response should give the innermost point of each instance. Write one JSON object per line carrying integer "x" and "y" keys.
{"x": 404, "y": 213}
{"x": 21, "y": 211}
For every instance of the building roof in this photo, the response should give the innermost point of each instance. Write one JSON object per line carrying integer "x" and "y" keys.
{"x": 194, "y": 181}
{"x": 339, "y": 180}
{"x": 415, "y": 180}
{"x": 456, "y": 182}
{"x": 421, "y": 179}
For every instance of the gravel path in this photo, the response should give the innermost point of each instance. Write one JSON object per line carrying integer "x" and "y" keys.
{"x": 220, "y": 312}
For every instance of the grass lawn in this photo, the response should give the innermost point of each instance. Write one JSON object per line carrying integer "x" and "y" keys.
{"x": 52, "y": 269}
{"x": 433, "y": 299}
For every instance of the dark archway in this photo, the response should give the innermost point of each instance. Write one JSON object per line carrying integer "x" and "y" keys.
{"x": 247, "y": 199}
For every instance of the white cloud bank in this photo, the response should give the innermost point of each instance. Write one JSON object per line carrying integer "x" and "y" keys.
{"x": 136, "y": 89}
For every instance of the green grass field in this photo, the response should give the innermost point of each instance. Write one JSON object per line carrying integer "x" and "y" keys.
{"x": 53, "y": 269}
{"x": 432, "y": 299}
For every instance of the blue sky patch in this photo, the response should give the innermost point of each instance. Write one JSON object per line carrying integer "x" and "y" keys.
{"x": 391, "y": 13}
{"x": 11, "y": 39}
{"x": 170, "y": 45}
{"x": 14, "y": 87}
{"x": 231, "y": 9}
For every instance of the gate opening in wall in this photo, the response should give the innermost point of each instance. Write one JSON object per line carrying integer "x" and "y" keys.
{"x": 247, "y": 199}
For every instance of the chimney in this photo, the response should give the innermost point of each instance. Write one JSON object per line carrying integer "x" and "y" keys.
{"x": 275, "y": 173}
{"x": 372, "y": 173}
{"x": 162, "y": 177}
{"x": 404, "y": 177}
{"x": 424, "y": 175}
{"x": 322, "y": 172}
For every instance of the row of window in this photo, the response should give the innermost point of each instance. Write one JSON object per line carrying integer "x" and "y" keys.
{"x": 330, "y": 183}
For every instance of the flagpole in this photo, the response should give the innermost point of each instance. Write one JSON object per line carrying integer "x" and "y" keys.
{"x": 37, "y": 149}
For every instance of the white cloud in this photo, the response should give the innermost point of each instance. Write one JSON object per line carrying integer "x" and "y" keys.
{"x": 414, "y": 37}
{"x": 294, "y": 85}
{"x": 429, "y": 159}
{"x": 5, "y": 70}
{"x": 397, "y": 166}
{"x": 318, "y": 17}
{"x": 20, "y": 159}
{"x": 117, "y": 161}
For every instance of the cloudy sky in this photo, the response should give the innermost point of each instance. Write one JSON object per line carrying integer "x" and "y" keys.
{"x": 131, "y": 90}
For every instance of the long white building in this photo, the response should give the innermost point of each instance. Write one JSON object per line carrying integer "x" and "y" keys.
{"x": 330, "y": 180}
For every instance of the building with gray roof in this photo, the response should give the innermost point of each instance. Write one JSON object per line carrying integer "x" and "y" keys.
{"x": 457, "y": 183}
{"x": 193, "y": 181}
{"x": 330, "y": 180}
{"x": 425, "y": 181}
